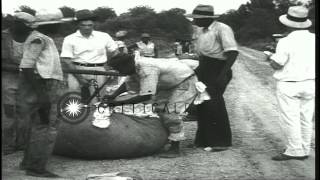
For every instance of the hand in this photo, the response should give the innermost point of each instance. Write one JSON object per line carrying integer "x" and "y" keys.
{"x": 108, "y": 98}
{"x": 84, "y": 82}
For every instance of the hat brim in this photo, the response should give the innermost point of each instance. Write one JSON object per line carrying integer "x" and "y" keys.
{"x": 92, "y": 18}
{"x": 300, "y": 25}
{"x": 63, "y": 20}
{"x": 196, "y": 16}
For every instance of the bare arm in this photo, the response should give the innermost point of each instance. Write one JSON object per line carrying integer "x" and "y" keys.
{"x": 231, "y": 57}
{"x": 68, "y": 63}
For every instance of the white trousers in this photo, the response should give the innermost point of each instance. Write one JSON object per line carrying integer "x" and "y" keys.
{"x": 296, "y": 104}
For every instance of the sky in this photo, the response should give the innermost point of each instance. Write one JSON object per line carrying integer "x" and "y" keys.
{"x": 121, "y": 6}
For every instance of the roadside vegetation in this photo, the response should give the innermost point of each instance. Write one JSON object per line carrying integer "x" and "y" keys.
{"x": 253, "y": 22}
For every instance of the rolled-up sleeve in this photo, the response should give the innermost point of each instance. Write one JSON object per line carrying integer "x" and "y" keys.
{"x": 32, "y": 51}
{"x": 281, "y": 56}
{"x": 67, "y": 48}
{"x": 111, "y": 45}
{"x": 227, "y": 39}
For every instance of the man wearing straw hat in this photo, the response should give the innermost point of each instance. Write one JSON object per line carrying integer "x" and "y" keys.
{"x": 294, "y": 64}
{"x": 145, "y": 47}
{"x": 217, "y": 49}
{"x": 40, "y": 70}
{"x": 12, "y": 41}
{"x": 120, "y": 35}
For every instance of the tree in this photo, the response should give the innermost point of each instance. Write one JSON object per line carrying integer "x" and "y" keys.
{"x": 104, "y": 13}
{"x": 67, "y": 11}
{"x": 141, "y": 11}
{"x": 27, "y": 9}
{"x": 177, "y": 11}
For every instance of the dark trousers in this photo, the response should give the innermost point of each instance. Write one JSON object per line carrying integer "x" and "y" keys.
{"x": 41, "y": 134}
{"x": 213, "y": 121}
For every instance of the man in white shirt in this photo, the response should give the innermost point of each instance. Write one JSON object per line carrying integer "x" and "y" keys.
{"x": 86, "y": 49}
{"x": 145, "y": 47}
{"x": 294, "y": 64}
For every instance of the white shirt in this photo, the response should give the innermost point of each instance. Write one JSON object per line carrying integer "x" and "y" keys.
{"x": 91, "y": 50}
{"x": 296, "y": 53}
{"x": 146, "y": 49}
{"x": 215, "y": 40}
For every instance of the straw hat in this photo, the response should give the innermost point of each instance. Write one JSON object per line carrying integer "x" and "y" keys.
{"x": 24, "y": 17}
{"x": 296, "y": 17}
{"x": 202, "y": 11}
{"x": 121, "y": 33}
{"x": 45, "y": 16}
{"x": 145, "y": 35}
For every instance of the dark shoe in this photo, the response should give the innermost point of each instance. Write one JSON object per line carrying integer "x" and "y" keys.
{"x": 8, "y": 151}
{"x": 43, "y": 173}
{"x": 22, "y": 166}
{"x": 170, "y": 154}
{"x": 192, "y": 146}
{"x": 283, "y": 157}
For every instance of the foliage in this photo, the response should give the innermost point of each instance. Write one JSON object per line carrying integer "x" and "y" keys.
{"x": 257, "y": 19}
{"x": 104, "y": 13}
{"x": 141, "y": 11}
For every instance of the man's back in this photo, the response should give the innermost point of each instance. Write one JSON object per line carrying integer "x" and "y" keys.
{"x": 296, "y": 53}
{"x": 169, "y": 72}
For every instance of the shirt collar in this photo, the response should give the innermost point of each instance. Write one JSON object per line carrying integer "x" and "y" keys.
{"x": 80, "y": 35}
{"x": 213, "y": 25}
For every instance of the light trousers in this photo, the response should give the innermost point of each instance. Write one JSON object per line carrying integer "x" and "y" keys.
{"x": 296, "y": 104}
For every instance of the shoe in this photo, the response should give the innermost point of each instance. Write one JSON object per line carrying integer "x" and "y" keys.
{"x": 43, "y": 173}
{"x": 215, "y": 149}
{"x": 170, "y": 154}
{"x": 22, "y": 166}
{"x": 192, "y": 145}
{"x": 283, "y": 157}
{"x": 8, "y": 151}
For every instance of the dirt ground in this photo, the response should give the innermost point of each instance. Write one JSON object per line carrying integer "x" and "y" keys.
{"x": 257, "y": 137}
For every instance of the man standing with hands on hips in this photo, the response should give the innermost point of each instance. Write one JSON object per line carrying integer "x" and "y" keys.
{"x": 217, "y": 49}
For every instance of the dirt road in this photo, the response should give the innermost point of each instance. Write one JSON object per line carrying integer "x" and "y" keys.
{"x": 257, "y": 137}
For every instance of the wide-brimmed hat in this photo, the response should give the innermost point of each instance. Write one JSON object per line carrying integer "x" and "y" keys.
{"x": 85, "y": 14}
{"x": 24, "y": 17}
{"x": 296, "y": 17}
{"x": 46, "y": 16}
{"x": 202, "y": 11}
{"x": 121, "y": 34}
{"x": 145, "y": 35}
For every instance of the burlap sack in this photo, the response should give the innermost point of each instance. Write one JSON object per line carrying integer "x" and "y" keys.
{"x": 126, "y": 137}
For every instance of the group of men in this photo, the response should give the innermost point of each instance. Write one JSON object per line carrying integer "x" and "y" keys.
{"x": 164, "y": 81}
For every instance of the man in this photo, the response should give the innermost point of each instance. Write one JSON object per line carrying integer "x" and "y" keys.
{"x": 169, "y": 83}
{"x": 145, "y": 47}
{"x": 217, "y": 49}
{"x": 294, "y": 64}
{"x": 40, "y": 70}
{"x": 120, "y": 35}
{"x": 12, "y": 41}
{"x": 86, "y": 50}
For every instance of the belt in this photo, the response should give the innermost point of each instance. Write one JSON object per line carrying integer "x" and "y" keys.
{"x": 88, "y": 64}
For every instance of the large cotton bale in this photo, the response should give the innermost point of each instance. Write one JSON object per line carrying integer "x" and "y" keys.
{"x": 126, "y": 137}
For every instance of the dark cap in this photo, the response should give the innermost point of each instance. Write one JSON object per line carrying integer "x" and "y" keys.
{"x": 85, "y": 14}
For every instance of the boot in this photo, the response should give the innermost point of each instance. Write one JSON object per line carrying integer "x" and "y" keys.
{"x": 173, "y": 152}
